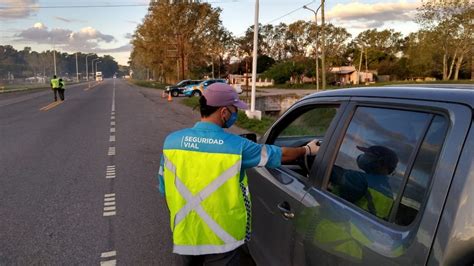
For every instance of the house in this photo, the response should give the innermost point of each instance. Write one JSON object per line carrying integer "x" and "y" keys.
{"x": 345, "y": 75}
{"x": 241, "y": 80}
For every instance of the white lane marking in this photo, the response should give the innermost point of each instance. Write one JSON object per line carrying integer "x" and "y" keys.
{"x": 109, "y": 254}
{"x": 112, "y": 129}
{"x": 111, "y": 151}
{"x": 110, "y": 166}
{"x": 113, "y": 99}
{"x": 109, "y": 199}
{"x": 112, "y": 213}
{"x": 112, "y": 117}
{"x": 111, "y": 208}
{"x": 110, "y": 177}
{"x": 112, "y": 203}
{"x": 112, "y": 123}
{"x": 109, "y": 195}
{"x": 112, "y": 138}
{"x": 108, "y": 263}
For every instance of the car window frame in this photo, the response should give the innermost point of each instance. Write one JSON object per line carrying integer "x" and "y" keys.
{"x": 270, "y": 136}
{"x": 323, "y": 175}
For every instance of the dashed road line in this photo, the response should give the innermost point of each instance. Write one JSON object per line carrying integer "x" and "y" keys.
{"x": 112, "y": 117}
{"x": 112, "y": 138}
{"x": 50, "y": 106}
{"x": 110, "y": 172}
{"x": 109, "y": 205}
{"x": 111, "y": 151}
{"x": 112, "y": 123}
{"x": 112, "y": 129}
{"x": 108, "y": 258}
{"x": 90, "y": 87}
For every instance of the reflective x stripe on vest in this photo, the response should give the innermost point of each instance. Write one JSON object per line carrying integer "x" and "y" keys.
{"x": 342, "y": 239}
{"x": 193, "y": 203}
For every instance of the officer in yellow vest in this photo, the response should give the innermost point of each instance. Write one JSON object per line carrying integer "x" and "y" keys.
{"x": 55, "y": 86}
{"x": 370, "y": 190}
{"x": 61, "y": 89}
{"x": 202, "y": 176}
{"x": 338, "y": 234}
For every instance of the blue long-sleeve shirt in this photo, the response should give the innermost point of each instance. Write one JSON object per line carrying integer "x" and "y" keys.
{"x": 253, "y": 154}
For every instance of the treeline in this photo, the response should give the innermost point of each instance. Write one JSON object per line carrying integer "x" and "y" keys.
{"x": 27, "y": 63}
{"x": 188, "y": 40}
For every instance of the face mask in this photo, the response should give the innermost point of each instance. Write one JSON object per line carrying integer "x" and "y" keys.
{"x": 231, "y": 121}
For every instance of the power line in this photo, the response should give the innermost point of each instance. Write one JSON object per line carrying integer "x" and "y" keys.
{"x": 285, "y": 15}
{"x": 291, "y": 12}
{"x": 96, "y": 6}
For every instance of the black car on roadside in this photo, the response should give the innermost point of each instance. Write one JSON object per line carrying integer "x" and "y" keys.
{"x": 178, "y": 89}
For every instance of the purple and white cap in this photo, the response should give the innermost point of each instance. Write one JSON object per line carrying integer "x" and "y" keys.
{"x": 222, "y": 94}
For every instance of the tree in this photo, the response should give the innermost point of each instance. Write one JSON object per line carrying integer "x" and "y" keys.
{"x": 377, "y": 48}
{"x": 451, "y": 23}
{"x": 182, "y": 35}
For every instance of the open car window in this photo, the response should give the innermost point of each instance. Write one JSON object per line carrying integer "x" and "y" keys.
{"x": 301, "y": 126}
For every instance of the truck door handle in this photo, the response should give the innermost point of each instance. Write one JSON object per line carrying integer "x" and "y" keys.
{"x": 285, "y": 210}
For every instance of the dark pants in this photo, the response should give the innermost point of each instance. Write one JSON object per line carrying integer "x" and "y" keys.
{"x": 60, "y": 92}
{"x": 231, "y": 258}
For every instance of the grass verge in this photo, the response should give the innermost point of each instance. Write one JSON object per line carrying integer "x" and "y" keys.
{"x": 252, "y": 125}
{"x": 148, "y": 84}
{"x": 312, "y": 86}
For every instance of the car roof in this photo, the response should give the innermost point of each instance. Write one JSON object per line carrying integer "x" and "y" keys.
{"x": 456, "y": 93}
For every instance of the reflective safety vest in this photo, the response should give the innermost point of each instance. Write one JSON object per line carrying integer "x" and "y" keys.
{"x": 342, "y": 239}
{"x": 55, "y": 83}
{"x": 206, "y": 199}
{"x": 376, "y": 203}
{"x": 62, "y": 85}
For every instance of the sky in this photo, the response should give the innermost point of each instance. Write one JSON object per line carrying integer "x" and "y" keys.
{"x": 96, "y": 26}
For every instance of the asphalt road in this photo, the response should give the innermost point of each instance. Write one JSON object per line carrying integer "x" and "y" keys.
{"x": 78, "y": 179}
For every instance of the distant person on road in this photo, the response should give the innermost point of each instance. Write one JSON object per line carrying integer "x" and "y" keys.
{"x": 61, "y": 89}
{"x": 202, "y": 176}
{"x": 55, "y": 86}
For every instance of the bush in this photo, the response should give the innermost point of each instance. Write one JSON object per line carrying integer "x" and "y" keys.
{"x": 253, "y": 125}
{"x": 283, "y": 71}
{"x": 149, "y": 84}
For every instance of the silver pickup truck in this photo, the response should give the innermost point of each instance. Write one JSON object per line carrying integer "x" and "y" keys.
{"x": 392, "y": 183}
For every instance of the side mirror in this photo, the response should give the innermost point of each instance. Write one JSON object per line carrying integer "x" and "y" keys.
{"x": 250, "y": 136}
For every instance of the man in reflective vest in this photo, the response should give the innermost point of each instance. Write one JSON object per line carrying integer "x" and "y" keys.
{"x": 370, "y": 190}
{"x": 55, "y": 86}
{"x": 202, "y": 176}
{"x": 61, "y": 89}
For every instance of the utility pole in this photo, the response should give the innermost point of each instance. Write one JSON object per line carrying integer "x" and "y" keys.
{"x": 316, "y": 52}
{"x": 87, "y": 67}
{"x": 360, "y": 64}
{"x": 93, "y": 72}
{"x": 54, "y": 59}
{"x": 77, "y": 70}
{"x": 254, "y": 113}
{"x": 323, "y": 46}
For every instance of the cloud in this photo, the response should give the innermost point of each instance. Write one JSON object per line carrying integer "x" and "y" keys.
{"x": 360, "y": 15}
{"x": 15, "y": 9}
{"x": 87, "y": 39}
{"x": 123, "y": 48}
{"x": 128, "y": 35}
